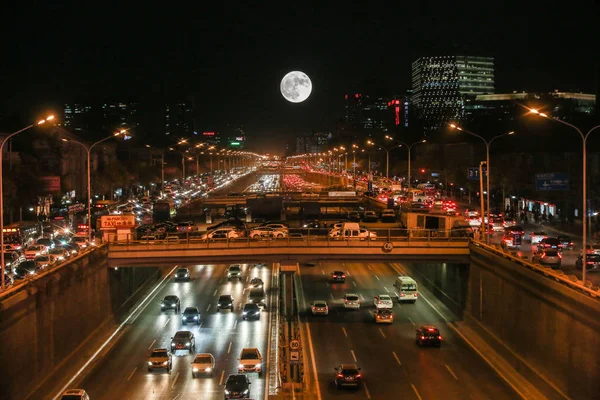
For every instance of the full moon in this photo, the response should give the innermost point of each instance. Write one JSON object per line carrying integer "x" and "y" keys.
{"x": 296, "y": 86}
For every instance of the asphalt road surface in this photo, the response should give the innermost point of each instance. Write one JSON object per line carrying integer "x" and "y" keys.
{"x": 392, "y": 364}
{"x": 122, "y": 373}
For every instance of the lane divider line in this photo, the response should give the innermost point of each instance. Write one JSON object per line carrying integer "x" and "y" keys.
{"x": 376, "y": 277}
{"x": 229, "y": 347}
{"x": 416, "y": 391}
{"x": 166, "y": 323}
{"x": 367, "y": 391}
{"x": 354, "y": 283}
{"x": 215, "y": 293}
{"x": 353, "y": 356}
{"x": 175, "y": 380}
{"x": 382, "y": 334}
{"x": 368, "y": 266}
{"x": 208, "y": 308}
{"x": 322, "y": 272}
{"x": 331, "y": 294}
{"x": 396, "y": 357}
{"x": 361, "y": 297}
{"x": 119, "y": 328}
{"x": 344, "y": 330}
{"x": 131, "y": 374}
{"x": 222, "y": 375}
{"x": 386, "y": 289}
{"x": 451, "y": 372}
{"x": 151, "y": 344}
{"x": 411, "y": 321}
{"x": 235, "y": 324}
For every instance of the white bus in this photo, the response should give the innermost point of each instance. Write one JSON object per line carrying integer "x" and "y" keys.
{"x": 416, "y": 196}
{"x": 405, "y": 288}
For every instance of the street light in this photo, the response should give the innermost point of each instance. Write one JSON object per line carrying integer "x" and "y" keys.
{"x": 40, "y": 122}
{"x": 584, "y": 137}
{"x": 88, "y": 149}
{"x": 488, "y": 167}
{"x": 387, "y": 157}
{"x": 409, "y": 147}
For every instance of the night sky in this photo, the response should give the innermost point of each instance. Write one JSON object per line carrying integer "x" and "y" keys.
{"x": 232, "y": 58}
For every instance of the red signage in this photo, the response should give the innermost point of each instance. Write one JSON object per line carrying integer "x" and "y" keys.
{"x": 208, "y": 133}
{"x": 397, "y": 112}
{"x": 50, "y": 183}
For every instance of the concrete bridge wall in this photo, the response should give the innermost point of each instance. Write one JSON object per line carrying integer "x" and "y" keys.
{"x": 42, "y": 325}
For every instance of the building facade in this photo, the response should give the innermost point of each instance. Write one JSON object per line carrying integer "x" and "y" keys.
{"x": 313, "y": 142}
{"x": 441, "y": 84}
{"x": 179, "y": 119}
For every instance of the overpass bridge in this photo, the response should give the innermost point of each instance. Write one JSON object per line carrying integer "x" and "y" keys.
{"x": 145, "y": 253}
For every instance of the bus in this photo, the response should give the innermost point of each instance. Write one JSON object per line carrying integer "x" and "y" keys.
{"x": 22, "y": 234}
{"x": 405, "y": 288}
{"x": 416, "y": 196}
{"x": 163, "y": 210}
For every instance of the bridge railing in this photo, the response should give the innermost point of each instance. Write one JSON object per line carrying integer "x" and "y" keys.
{"x": 308, "y": 237}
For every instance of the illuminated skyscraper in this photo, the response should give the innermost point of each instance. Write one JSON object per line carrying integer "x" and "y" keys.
{"x": 441, "y": 84}
{"x": 179, "y": 119}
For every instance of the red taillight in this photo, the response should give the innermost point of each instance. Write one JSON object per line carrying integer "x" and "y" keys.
{"x": 422, "y": 337}
{"x": 340, "y": 375}
{"x": 335, "y": 276}
{"x": 358, "y": 375}
{"x": 439, "y": 337}
{"x": 379, "y": 302}
{"x": 314, "y": 308}
{"x": 401, "y": 294}
{"x": 416, "y": 294}
{"x": 346, "y": 301}
{"x": 343, "y": 276}
{"x": 559, "y": 255}
{"x": 430, "y": 329}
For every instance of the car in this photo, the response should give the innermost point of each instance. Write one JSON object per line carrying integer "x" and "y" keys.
{"x": 352, "y": 301}
{"x": 160, "y": 359}
{"x": 383, "y": 301}
{"x": 257, "y": 296}
{"x": 354, "y": 216}
{"x": 187, "y": 226}
{"x": 74, "y": 394}
{"x": 509, "y": 221}
{"x": 566, "y": 242}
{"x": 388, "y": 216}
{"x": 170, "y": 302}
{"x": 347, "y": 375}
{"x": 250, "y": 360}
{"x": 515, "y": 229}
{"x": 182, "y": 274}
{"x": 319, "y": 307}
{"x": 81, "y": 241}
{"x": 592, "y": 262}
{"x": 44, "y": 260}
{"x": 338, "y": 276}
{"x": 370, "y": 216}
{"x": 237, "y": 387}
{"x": 36, "y": 250}
{"x": 473, "y": 221}
{"x": 428, "y": 335}
{"x": 203, "y": 363}
{"x": 550, "y": 243}
{"x": 537, "y": 236}
{"x": 234, "y": 272}
{"x": 550, "y": 257}
{"x": 225, "y": 301}
{"x": 250, "y": 311}
{"x": 256, "y": 282}
{"x": 60, "y": 253}
{"x": 384, "y": 316}
{"x": 183, "y": 340}
{"x": 26, "y": 268}
{"x": 190, "y": 314}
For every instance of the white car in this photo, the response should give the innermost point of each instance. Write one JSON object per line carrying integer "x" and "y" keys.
{"x": 266, "y": 232}
{"x": 383, "y": 301}
{"x": 204, "y": 363}
{"x": 473, "y": 221}
{"x": 537, "y": 237}
{"x": 351, "y": 300}
{"x": 471, "y": 213}
{"x": 319, "y": 307}
{"x": 36, "y": 250}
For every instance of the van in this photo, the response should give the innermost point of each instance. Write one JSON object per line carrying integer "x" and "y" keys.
{"x": 405, "y": 288}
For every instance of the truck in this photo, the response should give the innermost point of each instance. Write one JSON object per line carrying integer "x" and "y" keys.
{"x": 250, "y": 360}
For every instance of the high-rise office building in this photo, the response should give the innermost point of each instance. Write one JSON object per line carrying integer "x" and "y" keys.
{"x": 441, "y": 85}
{"x": 120, "y": 115}
{"x": 78, "y": 117}
{"x": 367, "y": 113}
{"x": 313, "y": 142}
{"x": 179, "y": 119}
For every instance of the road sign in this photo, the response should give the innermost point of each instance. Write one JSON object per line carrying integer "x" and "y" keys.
{"x": 294, "y": 356}
{"x": 552, "y": 181}
{"x": 473, "y": 173}
{"x": 295, "y": 344}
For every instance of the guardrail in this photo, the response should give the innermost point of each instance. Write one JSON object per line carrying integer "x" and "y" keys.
{"x": 569, "y": 280}
{"x": 23, "y": 283}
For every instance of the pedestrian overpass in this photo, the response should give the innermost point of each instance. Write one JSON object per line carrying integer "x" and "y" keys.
{"x": 186, "y": 251}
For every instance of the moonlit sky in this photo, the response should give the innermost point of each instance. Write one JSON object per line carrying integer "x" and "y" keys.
{"x": 232, "y": 57}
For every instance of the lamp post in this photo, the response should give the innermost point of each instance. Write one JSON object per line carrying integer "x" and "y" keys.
{"x": 387, "y": 157}
{"x": 487, "y": 163}
{"x": 88, "y": 150}
{"x": 409, "y": 147}
{"x": 584, "y": 138}
{"x": 49, "y": 118}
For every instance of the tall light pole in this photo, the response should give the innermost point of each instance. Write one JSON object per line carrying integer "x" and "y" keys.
{"x": 41, "y": 122}
{"x": 584, "y": 137}
{"x": 88, "y": 150}
{"x": 387, "y": 157}
{"x": 488, "y": 167}
{"x": 409, "y": 147}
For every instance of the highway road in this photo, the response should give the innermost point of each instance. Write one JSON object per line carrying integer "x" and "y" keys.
{"x": 122, "y": 372}
{"x": 392, "y": 364}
